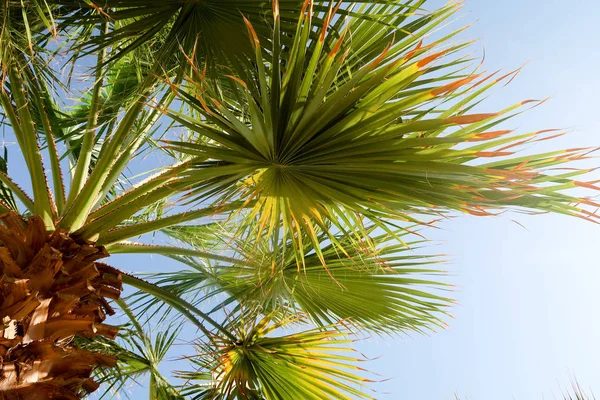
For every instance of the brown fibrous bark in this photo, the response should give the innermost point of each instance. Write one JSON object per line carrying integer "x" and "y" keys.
{"x": 51, "y": 289}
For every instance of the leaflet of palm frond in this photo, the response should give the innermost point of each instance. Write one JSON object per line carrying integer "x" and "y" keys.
{"x": 387, "y": 287}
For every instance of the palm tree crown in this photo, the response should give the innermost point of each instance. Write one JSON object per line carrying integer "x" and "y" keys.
{"x": 305, "y": 146}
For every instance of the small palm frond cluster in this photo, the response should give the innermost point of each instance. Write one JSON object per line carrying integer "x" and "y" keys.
{"x": 137, "y": 354}
{"x": 289, "y": 154}
{"x": 305, "y": 365}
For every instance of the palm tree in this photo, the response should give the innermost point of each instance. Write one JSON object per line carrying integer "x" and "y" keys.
{"x": 303, "y": 145}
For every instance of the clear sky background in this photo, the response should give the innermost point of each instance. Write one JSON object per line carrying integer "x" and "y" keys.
{"x": 527, "y": 322}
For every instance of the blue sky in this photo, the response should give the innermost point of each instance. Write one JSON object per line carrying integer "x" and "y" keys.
{"x": 527, "y": 319}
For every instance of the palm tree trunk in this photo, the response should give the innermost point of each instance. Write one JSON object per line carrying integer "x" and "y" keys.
{"x": 51, "y": 289}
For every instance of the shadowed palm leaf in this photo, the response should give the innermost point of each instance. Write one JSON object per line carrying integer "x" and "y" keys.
{"x": 384, "y": 290}
{"x": 212, "y": 29}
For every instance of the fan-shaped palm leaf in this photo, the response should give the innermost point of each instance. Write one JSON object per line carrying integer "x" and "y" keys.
{"x": 314, "y": 145}
{"x": 383, "y": 289}
{"x": 311, "y": 364}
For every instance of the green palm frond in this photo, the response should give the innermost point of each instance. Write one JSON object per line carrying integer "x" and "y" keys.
{"x": 118, "y": 91}
{"x": 24, "y": 63}
{"x": 388, "y": 289}
{"x": 314, "y": 145}
{"x": 138, "y": 354}
{"x": 385, "y": 290}
{"x": 312, "y": 364}
{"x": 316, "y": 134}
